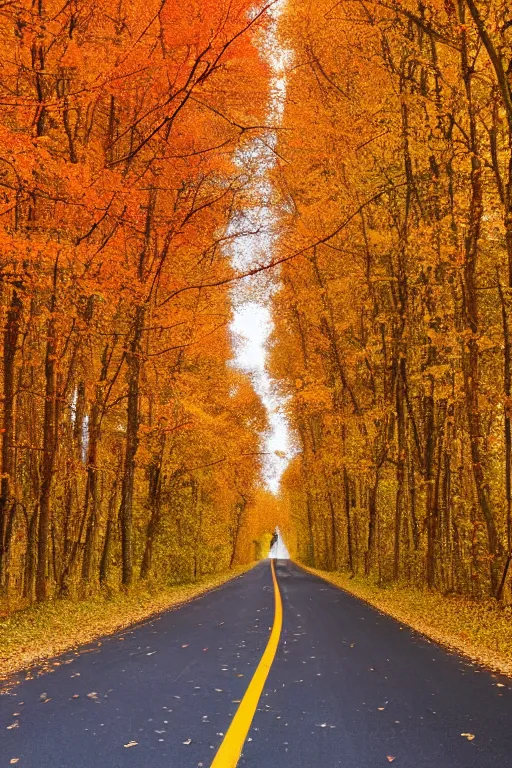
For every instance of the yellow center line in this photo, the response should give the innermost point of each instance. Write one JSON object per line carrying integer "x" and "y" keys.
{"x": 232, "y": 744}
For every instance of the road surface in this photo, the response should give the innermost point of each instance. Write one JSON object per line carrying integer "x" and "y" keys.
{"x": 348, "y": 687}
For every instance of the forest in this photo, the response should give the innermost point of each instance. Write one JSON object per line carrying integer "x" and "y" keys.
{"x": 132, "y": 447}
{"x": 393, "y": 327}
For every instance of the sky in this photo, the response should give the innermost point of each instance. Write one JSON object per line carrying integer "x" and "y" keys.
{"x": 252, "y": 321}
{"x": 251, "y": 326}
{"x": 256, "y": 230}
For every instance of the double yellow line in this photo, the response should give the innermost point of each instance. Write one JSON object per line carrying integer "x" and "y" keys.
{"x": 230, "y": 750}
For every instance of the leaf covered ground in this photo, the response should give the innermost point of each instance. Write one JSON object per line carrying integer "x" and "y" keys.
{"x": 481, "y": 631}
{"x": 41, "y": 632}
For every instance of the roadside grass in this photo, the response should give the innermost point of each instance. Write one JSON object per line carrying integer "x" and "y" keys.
{"x": 481, "y": 631}
{"x": 40, "y": 632}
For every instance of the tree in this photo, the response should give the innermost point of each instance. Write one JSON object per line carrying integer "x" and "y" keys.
{"x": 392, "y": 330}
{"x": 120, "y": 124}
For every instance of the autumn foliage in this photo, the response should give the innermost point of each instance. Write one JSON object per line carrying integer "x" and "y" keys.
{"x": 393, "y": 325}
{"x": 130, "y": 444}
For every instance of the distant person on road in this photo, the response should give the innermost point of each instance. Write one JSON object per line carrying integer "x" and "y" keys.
{"x": 274, "y": 539}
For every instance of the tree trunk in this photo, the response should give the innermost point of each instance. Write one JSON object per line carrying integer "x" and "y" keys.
{"x": 132, "y": 442}
{"x": 50, "y": 428}
{"x": 350, "y": 552}
{"x": 400, "y": 474}
{"x": 372, "y": 525}
{"x": 11, "y": 334}
{"x": 470, "y": 362}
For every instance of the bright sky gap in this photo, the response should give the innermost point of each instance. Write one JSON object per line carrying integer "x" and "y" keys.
{"x": 257, "y": 230}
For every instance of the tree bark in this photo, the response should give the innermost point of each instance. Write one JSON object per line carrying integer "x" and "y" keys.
{"x": 11, "y": 334}
{"x": 50, "y": 428}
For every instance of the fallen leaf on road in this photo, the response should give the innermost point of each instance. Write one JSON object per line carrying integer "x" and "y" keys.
{"x": 381, "y": 709}
{"x": 13, "y": 725}
{"x": 92, "y": 695}
{"x": 14, "y": 760}
{"x": 468, "y": 736}
{"x": 500, "y": 685}
{"x": 131, "y": 744}
{"x": 390, "y": 758}
{"x": 188, "y": 741}
{"x": 185, "y": 646}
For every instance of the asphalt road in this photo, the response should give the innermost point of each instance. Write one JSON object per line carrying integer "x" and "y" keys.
{"x": 348, "y": 687}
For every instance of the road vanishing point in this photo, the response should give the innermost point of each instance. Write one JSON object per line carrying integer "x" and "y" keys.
{"x": 274, "y": 669}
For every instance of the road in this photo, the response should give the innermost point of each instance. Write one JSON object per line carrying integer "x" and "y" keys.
{"x": 348, "y": 687}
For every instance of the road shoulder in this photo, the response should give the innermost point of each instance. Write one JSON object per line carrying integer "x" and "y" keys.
{"x": 480, "y": 631}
